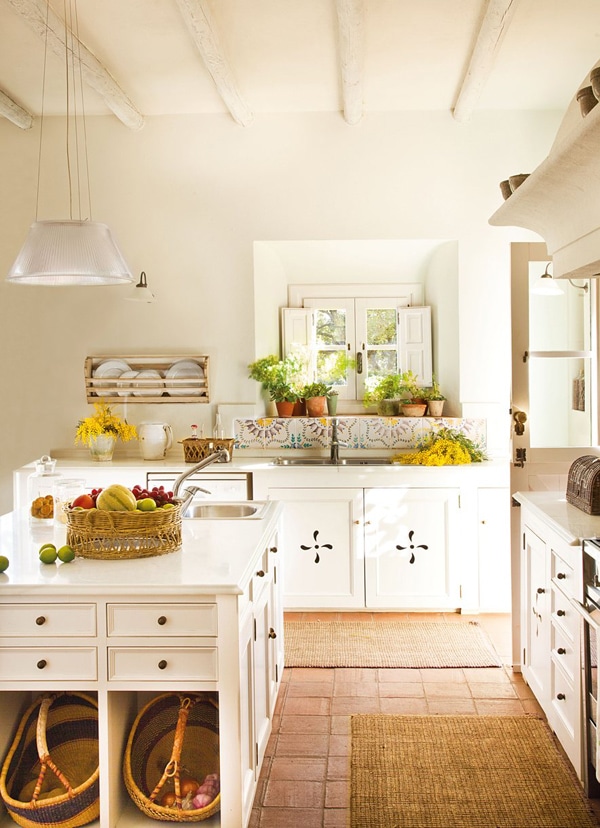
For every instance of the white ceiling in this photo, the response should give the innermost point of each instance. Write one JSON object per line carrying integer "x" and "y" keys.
{"x": 283, "y": 56}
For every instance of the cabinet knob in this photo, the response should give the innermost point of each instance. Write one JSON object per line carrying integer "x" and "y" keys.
{"x": 540, "y": 590}
{"x": 272, "y": 633}
{"x": 357, "y": 522}
{"x": 273, "y": 549}
{"x": 561, "y": 576}
{"x": 561, "y": 651}
{"x": 161, "y": 620}
{"x": 561, "y": 696}
{"x": 40, "y": 620}
{"x": 41, "y": 663}
{"x": 162, "y": 665}
{"x": 560, "y": 613}
{"x": 261, "y": 573}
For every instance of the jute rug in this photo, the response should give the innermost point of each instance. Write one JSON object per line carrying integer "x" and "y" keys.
{"x": 387, "y": 644}
{"x": 461, "y": 772}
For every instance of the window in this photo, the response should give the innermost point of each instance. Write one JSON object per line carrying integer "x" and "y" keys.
{"x": 353, "y": 338}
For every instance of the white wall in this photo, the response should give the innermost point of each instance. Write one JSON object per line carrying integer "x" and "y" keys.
{"x": 187, "y": 197}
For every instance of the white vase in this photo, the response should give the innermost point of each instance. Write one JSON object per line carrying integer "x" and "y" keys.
{"x": 102, "y": 447}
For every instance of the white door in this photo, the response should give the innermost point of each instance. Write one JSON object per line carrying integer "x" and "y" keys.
{"x": 554, "y": 415}
{"x": 410, "y": 562}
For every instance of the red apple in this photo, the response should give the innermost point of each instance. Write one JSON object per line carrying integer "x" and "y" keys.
{"x": 86, "y": 501}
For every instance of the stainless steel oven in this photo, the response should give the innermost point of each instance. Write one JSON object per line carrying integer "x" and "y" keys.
{"x": 589, "y": 661}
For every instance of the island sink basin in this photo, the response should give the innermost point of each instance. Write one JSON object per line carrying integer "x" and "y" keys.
{"x": 326, "y": 462}
{"x": 210, "y": 510}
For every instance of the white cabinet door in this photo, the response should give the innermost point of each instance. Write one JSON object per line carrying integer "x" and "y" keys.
{"x": 322, "y": 535}
{"x": 410, "y": 556}
{"x": 493, "y": 541}
{"x": 535, "y": 616}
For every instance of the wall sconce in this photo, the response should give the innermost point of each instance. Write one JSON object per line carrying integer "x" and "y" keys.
{"x": 141, "y": 292}
{"x": 546, "y": 286}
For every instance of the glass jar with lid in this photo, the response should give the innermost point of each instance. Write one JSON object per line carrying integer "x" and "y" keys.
{"x": 40, "y": 489}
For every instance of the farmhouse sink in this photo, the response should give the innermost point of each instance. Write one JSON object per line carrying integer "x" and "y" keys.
{"x": 211, "y": 510}
{"x": 325, "y": 461}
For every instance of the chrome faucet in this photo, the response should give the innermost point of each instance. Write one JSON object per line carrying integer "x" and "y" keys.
{"x": 334, "y": 454}
{"x": 221, "y": 455}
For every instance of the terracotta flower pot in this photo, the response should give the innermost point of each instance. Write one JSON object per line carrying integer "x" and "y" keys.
{"x": 435, "y": 408}
{"x": 284, "y": 408}
{"x": 413, "y": 410}
{"x": 316, "y": 406}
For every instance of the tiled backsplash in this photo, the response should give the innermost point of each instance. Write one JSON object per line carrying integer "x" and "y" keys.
{"x": 356, "y": 432}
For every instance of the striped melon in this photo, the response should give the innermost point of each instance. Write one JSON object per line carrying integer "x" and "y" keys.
{"x": 116, "y": 498}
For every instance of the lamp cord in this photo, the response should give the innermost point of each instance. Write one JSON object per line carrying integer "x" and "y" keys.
{"x": 39, "y": 169}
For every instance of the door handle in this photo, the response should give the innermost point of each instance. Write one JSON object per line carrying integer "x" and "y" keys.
{"x": 359, "y": 362}
{"x": 520, "y": 418}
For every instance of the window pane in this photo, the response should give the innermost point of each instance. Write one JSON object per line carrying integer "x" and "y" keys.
{"x": 381, "y": 326}
{"x": 328, "y": 367}
{"x": 559, "y": 402}
{"x": 380, "y": 363}
{"x": 331, "y": 327}
{"x": 561, "y": 322}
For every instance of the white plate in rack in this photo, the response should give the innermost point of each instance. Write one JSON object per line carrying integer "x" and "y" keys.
{"x": 144, "y": 390}
{"x": 125, "y": 383}
{"x": 184, "y": 369}
{"x": 109, "y": 370}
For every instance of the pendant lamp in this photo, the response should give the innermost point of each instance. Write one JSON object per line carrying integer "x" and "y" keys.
{"x": 77, "y": 250}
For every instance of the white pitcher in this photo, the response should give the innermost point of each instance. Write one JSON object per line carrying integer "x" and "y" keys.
{"x": 155, "y": 440}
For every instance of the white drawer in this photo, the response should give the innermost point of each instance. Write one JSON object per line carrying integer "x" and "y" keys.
{"x": 156, "y": 664}
{"x": 162, "y": 619}
{"x": 565, "y": 716}
{"x": 563, "y": 652}
{"x": 563, "y": 575}
{"x": 564, "y": 615}
{"x": 48, "y": 663}
{"x": 47, "y": 620}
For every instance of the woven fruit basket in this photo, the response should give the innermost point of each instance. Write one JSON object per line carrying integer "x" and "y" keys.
{"x": 197, "y": 448}
{"x": 173, "y": 736}
{"x": 50, "y": 776}
{"x": 108, "y": 535}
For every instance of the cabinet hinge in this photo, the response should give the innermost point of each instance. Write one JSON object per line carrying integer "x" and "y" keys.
{"x": 256, "y": 752}
{"x": 523, "y": 662}
{"x": 276, "y": 673}
{"x": 523, "y": 542}
{"x": 460, "y": 591}
{"x": 459, "y": 501}
{"x": 255, "y": 629}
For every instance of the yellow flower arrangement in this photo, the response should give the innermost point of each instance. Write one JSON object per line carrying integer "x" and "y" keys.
{"x": 445, "y": 447}
{"x": 104, "y": 422}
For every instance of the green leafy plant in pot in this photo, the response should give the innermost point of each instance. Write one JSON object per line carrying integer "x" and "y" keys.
{"x": 315, "y": 395}
{"x": 388, "y": 392}
{"x": 276, "y": 377}
{"x": 435, "y": 399}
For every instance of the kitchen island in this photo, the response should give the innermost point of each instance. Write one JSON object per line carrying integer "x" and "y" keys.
{"x": 207, "y": 617}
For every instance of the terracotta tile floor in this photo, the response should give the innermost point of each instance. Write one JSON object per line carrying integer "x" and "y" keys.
{"x": 305, "y": 778}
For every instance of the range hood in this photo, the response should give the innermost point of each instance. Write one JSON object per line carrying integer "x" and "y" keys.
{"x": 560, "y": 200}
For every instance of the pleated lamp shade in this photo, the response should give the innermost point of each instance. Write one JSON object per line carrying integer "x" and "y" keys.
{"x": 69, "y": 253}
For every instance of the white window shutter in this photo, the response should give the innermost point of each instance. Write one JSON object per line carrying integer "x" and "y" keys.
{"x": 296, "y": 328}
{"x": 414, "y": 342}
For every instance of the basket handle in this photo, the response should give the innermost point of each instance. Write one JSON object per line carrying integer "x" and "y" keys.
{"x": 172, "y": 766}
{"x": 43, "y": 752}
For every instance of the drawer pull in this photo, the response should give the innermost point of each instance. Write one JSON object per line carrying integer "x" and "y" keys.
{"x": 40, "y": 620}
{"x": 41, "y": 664}
{"x": 273, "y": 549}
{"x": 561, "y": 651}
{"x": 161, "y": 620}
{"x": 261, "y": 573}
{"x": 540, "y": 590}
{"x": 561, "y": 576}
{"x": 162, "y": 665}
{"x": 561, "y": 696}
{"x": 272, "y": 633}
{"x": 560, "y": 613}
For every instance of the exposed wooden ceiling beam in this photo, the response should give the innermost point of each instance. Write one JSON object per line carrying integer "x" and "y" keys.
{"x": 198, "y": 19}
{"x": 15, "y": 113}
{"x": 496, "y": 21}
{"x": 351, "y": 26}
{"x": 34, "y": 12}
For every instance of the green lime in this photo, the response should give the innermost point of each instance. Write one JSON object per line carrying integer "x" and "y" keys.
{"x": 47, "y": 546}
{"x": 65, "y": 554}
{"x": 3, "y": 563}
{"x": 48, "y": 554}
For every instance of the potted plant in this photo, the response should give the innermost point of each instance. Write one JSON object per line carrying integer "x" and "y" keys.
{"x": 435, "y": 399}
{"x": 101, "y": 430}
{"x": 277, "y": 376}
{"x": 315, "y": 396}
{"x": 390, "y": 392}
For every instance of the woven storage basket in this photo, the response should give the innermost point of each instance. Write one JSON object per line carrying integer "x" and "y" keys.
{"x": 173, "y": 736}
{"x": 97, "y": 533}
{"x": 56, "y": 744}
{"x": 197, "y": 448}
{"x": 583, "y": 484}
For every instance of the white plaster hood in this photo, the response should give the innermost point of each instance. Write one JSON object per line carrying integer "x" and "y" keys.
{"x": 561, "y": 198}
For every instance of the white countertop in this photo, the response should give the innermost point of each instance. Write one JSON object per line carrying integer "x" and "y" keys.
{"x": 570, "y": 522}
{"x": 217, "y": 557}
